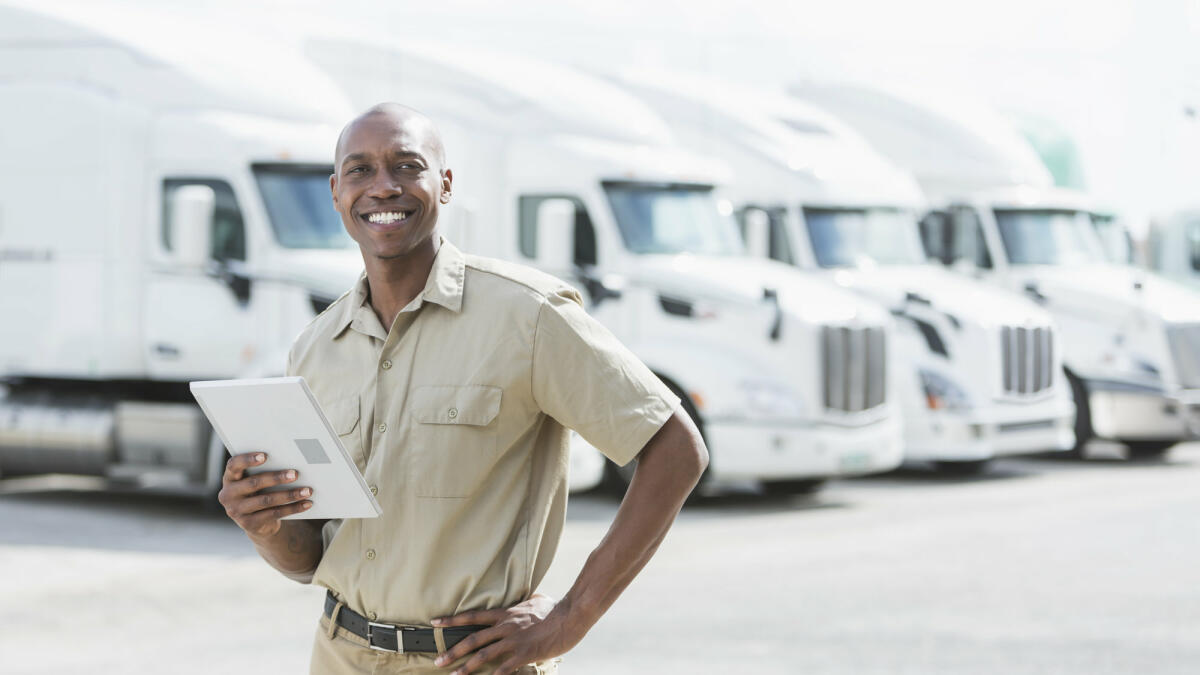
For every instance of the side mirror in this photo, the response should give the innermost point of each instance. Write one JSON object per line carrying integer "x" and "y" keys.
{"x": 756, "y": 230}
{"x": 556, "y": 236}
{"x": 191, "y": 224}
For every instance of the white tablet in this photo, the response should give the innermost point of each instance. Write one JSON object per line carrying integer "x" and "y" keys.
{"x": 280, "y": 417}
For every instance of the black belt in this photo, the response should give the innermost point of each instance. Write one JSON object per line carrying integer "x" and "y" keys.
{"x": 388, "y": 638}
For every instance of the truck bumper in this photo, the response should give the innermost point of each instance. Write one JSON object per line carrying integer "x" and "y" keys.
{"x": 1122, "y": 412}
{"x": 743, "y": 450}
{"x": 995, "y": 431}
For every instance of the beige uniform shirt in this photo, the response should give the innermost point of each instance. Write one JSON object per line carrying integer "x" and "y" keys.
{"x": 458, "y": 419}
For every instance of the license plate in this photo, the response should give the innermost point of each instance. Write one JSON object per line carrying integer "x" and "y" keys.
{"x": 856, "y": 461}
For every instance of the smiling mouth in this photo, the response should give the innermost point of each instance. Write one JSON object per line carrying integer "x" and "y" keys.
{"x": 387, "y": 217}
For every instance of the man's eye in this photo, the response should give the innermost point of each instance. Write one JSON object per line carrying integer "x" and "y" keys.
{"x": 356, "y": 169}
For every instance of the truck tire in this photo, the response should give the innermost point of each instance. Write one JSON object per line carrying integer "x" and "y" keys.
{"x": 794, "y": 487}
{"x": 973, "y": 467}
{"x": 1148, "y": 450}
{"x": 1083, "y": 416}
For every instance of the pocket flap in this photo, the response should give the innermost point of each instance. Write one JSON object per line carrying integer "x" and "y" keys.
{"x": 343, "y": 414}
{"x": 470, "y": 404}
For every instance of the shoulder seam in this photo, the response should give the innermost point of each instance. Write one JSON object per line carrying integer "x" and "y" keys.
{"x": 562, "y": 285}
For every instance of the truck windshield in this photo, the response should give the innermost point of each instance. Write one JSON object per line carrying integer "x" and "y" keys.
{"x": 298, "y": 203}
{"x": 853, "y": 237}
{"x": 1048, "y": 237}
{"x": 658, "y": 218}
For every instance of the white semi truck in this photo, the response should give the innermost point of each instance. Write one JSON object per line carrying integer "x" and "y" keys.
{"x": 1130, "y": 338}
{"x": 978, "y": 368}
{"x": 784, "y": 374}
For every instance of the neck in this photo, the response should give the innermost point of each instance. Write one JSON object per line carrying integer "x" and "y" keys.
{"x": 394, "y": 282}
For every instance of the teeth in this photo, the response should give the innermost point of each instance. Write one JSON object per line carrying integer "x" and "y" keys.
{"x": 385, "y": 218}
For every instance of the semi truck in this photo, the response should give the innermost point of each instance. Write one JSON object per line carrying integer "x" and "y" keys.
{"x": 1130, "y": 337}
{"x": 978, "y": 368}
{"x": 783, "y": 373}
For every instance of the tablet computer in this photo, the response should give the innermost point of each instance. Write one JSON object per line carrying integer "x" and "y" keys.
{"x": 281, "y": 417}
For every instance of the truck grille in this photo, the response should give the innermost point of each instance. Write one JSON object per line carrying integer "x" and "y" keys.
{"x": 1027, "y": 355}
{"x": 1185, "y": 349}
{"x": 853, "y": 367}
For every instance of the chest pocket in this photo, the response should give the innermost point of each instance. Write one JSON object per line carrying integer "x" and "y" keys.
{"x": 455, "y": 438}
{"x": 343, "y": 414}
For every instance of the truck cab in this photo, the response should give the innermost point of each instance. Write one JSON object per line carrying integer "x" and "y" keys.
{"x": 1130, "y": 346}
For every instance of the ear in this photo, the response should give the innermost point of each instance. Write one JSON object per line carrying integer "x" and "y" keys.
{"x": 333, "y": 188}
{"x": 447, "y": 181}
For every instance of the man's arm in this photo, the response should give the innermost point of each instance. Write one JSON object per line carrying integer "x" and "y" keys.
{"x": 293, "y": 547}
{"x": 668, "y": 468}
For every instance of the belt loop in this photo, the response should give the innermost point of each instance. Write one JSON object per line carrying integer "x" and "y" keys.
{"x": 333, "y": 617}
{"x": 439, "y": 639}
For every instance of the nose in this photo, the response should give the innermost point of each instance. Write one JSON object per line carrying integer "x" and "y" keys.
{"x": 383, "y": 186}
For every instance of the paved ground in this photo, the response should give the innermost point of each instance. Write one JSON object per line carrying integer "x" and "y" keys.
{"x": 1043, "y": 566}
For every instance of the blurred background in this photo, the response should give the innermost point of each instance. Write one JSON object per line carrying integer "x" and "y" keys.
{"x": 927, "y": 276}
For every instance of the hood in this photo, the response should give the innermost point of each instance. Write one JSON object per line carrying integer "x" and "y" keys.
{"x": 1115, "y": 291}
{"x": 743, "y": 279}
{"x": 967, "y": 299}
{"x": 327, "y": 273}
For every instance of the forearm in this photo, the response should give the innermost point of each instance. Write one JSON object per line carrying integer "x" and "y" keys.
{"x": 295, "y": 550}
{"x": 668, "y": 469}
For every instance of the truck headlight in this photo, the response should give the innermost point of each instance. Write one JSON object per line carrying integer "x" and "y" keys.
{"x": 767, "y": 398}
{"x": 942, "y": 393}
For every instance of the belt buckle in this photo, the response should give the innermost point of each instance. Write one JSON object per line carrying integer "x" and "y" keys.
{"x": 371, "y": 626}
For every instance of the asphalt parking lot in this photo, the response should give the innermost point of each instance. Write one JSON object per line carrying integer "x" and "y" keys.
{"x": 1041, "y": 566}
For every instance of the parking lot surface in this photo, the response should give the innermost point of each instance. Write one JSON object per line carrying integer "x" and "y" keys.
{"x": 1040, "y": 566}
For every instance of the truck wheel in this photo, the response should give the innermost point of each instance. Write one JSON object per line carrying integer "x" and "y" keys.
{"x": 972, "y": 467}
{"x": 799, "y": 486}
{"x": 1145, "y": 450}
{"x": 1083, "y": 417}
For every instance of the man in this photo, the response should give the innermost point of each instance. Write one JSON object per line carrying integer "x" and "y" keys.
{"x": 450, "y": 379}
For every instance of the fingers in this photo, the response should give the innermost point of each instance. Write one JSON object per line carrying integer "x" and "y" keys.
{"x": 236, "y": 467}
{"x": 479, "y": 617}
{"x": 484, "y": 656}
{"x": 260, "y": 481}
{"x": 470, "y": 644}
{"x": 268, "y": 519}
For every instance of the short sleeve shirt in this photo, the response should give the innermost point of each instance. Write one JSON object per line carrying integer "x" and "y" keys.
{"x": 458, "y": 418}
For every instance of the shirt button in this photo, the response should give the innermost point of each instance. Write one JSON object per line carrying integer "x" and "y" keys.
{"x": 382, "y": 427}
{"x": 374, "y": 490}
{"x": 372, "y": 616}
{"x": 370, "y": 554}
{"x": 453, "y": 412}
{"x": 387, "y": 365}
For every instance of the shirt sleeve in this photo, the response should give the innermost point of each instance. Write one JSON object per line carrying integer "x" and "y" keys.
{"x": 588, "y": 381}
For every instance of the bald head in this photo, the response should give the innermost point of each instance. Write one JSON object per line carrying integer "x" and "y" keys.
{"x": 411, "y": 122}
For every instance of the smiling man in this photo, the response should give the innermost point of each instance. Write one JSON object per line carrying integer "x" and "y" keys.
{"x": 453, "y": 380}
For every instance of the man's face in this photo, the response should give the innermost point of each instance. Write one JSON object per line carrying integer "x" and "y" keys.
{"x": 389, "y": 183}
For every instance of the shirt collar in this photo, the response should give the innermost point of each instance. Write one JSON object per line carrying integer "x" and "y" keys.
{"x": 443, "y": 287}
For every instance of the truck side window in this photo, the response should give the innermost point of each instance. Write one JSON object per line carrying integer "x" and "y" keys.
{"x": 229, "y": 231}
{"x": 969, "y": 242}
{"x": 527, "y": 235}
{"x": 778, "y": 245}
{"x": 1193, "y": 238}
{"x": 936, "y": 236}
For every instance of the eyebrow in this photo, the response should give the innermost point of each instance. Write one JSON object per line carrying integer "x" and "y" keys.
{"x": 402, "y": 153}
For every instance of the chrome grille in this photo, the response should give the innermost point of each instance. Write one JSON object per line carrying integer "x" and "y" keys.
{"x": 1185, "y": 350}
{"x": 1027, "y": 359}
{"x": 853, "y": 367}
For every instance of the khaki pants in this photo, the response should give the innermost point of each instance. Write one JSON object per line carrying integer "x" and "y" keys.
{"x": 344, "y": 652}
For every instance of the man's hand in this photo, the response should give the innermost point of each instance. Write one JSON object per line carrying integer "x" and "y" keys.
{"x": 255, "y": 511}
{"x": 532, "y": 631}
